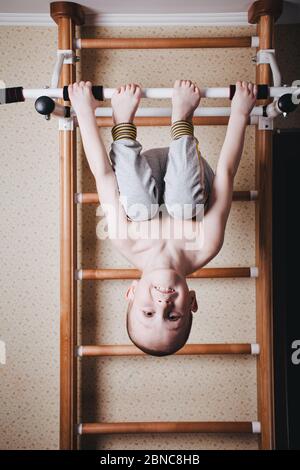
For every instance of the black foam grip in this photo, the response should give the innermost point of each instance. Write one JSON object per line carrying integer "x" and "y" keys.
{"x": 97, "y": 91}
{"x": 67, "y": 112}
{"x": 262, "y": 92}
{"x": 11, "y": 95}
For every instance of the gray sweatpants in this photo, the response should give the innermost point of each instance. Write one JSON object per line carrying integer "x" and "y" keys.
{"x": 177, "y": 177}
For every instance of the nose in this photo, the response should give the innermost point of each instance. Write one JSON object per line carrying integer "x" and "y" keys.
{"x": 164, "y": 302}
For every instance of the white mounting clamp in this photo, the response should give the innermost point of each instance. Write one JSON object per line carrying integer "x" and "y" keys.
{"x": 65, "y": 124}
{"x": 265, "y": 123}
{"x": 64, "y": 56}
{"x": 69, "y": 55}
{"x": 267, "y": 56}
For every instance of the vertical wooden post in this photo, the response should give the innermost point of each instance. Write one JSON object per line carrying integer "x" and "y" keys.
{"x": 264, "y": 12}
{"x": 67, "y": 15}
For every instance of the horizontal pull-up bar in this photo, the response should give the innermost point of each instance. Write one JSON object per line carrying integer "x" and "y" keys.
{"x": 252, "y": 427}
{"x": 93, "y": 198}
{"x": 188, "y": 349}
{"x": 110, "y": 274}
{"x": 165, "y": 43}
{"x": 17, "y": 94}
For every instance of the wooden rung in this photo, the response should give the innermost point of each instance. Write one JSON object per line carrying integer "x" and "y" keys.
{"x": 164, "y": 43}
{"x": 110, "y": 274}
{"x": 166, "y": 121}
{"x": 171, "y": 427}
{"x": 245, "y": 195}
{"x": 93, "y": 198}
{"x": 188, "y": 349}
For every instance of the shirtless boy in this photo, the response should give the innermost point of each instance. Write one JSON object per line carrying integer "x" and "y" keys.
{"x": 132, "y": 185}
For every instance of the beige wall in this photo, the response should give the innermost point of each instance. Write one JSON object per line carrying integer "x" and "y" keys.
{"x": 114, "y": 389}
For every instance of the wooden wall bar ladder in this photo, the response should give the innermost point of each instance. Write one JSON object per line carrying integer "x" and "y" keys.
{"x": 68, "y": 15}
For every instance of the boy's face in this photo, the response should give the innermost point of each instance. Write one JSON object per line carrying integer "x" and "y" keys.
{"x": 161, "y": 309}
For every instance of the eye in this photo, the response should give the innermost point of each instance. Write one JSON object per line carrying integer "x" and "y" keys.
{"x": 148, "y": 314}
{"x": 173, "y": 316}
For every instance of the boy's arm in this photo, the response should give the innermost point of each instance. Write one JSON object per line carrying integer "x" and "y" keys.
{"x": 221, "y": 193}
{"x": 84, "y": 104}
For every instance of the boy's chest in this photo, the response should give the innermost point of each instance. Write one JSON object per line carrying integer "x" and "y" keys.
{"x": 166, "y": 229}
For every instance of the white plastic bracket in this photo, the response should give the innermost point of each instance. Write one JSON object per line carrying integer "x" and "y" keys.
{"x": 253, "y": 271}
{"x": 255, "y": 349}
{"x": 267, "y": 56}
{"x": 78, "y": 351}
{"x": 64, "y": 56}
{"x": 79, "y": 428}
{"x": 69, "y": 55}
{"x": 255, "y": 41}
{"x": 253, "y": 119}
{"x": 265, "y": 123}
{"x": 65, "y": 124}
{"x": 253, "y": 195}
{"x": 78, "y": 198}
{"x": 256, "y": 427}
{"x": 78, "y": 275}
{"x": 2, "y": 352}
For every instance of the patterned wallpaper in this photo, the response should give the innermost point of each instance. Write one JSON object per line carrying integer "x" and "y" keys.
{"x": 113, "y": 389}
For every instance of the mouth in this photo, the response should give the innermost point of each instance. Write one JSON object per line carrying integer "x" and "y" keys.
{"x": 164, "y": 290}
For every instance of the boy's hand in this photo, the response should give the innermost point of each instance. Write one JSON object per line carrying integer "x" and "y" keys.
{"x": 82, "y": 98}
{"x": 244, "y": 98}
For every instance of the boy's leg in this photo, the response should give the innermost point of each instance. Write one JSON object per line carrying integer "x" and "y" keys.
{"x": 188, "y": 176}
{"x": 137, "y": 186}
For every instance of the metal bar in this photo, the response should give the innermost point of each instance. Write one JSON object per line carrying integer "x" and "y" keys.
{"x": 155, "y": 93}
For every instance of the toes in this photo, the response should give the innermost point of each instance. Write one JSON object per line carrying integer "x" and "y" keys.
{"x": 177, "y": 83}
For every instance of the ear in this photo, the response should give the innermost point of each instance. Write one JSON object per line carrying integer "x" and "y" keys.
{"x": 194, "y": 304}
{"x": 129, "y": 295}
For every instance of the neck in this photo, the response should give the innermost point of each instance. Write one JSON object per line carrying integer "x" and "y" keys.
{"x": 160, "y": 257}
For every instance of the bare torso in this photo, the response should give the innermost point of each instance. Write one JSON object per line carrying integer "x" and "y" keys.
{"x": 164, "y": 240}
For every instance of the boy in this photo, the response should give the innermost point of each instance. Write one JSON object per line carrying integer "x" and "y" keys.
{"x": 133, "y": 185}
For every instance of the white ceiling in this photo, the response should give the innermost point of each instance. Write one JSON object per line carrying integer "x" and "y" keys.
{"x": 291, "y": 7}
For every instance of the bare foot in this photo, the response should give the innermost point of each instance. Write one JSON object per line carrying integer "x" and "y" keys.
{"x": 186, "y": 98}
{"x": 125, "y": 102}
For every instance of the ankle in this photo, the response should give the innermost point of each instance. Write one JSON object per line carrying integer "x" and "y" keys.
{"x": 124, "y": 130}
{"x": 180, "y": 128}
